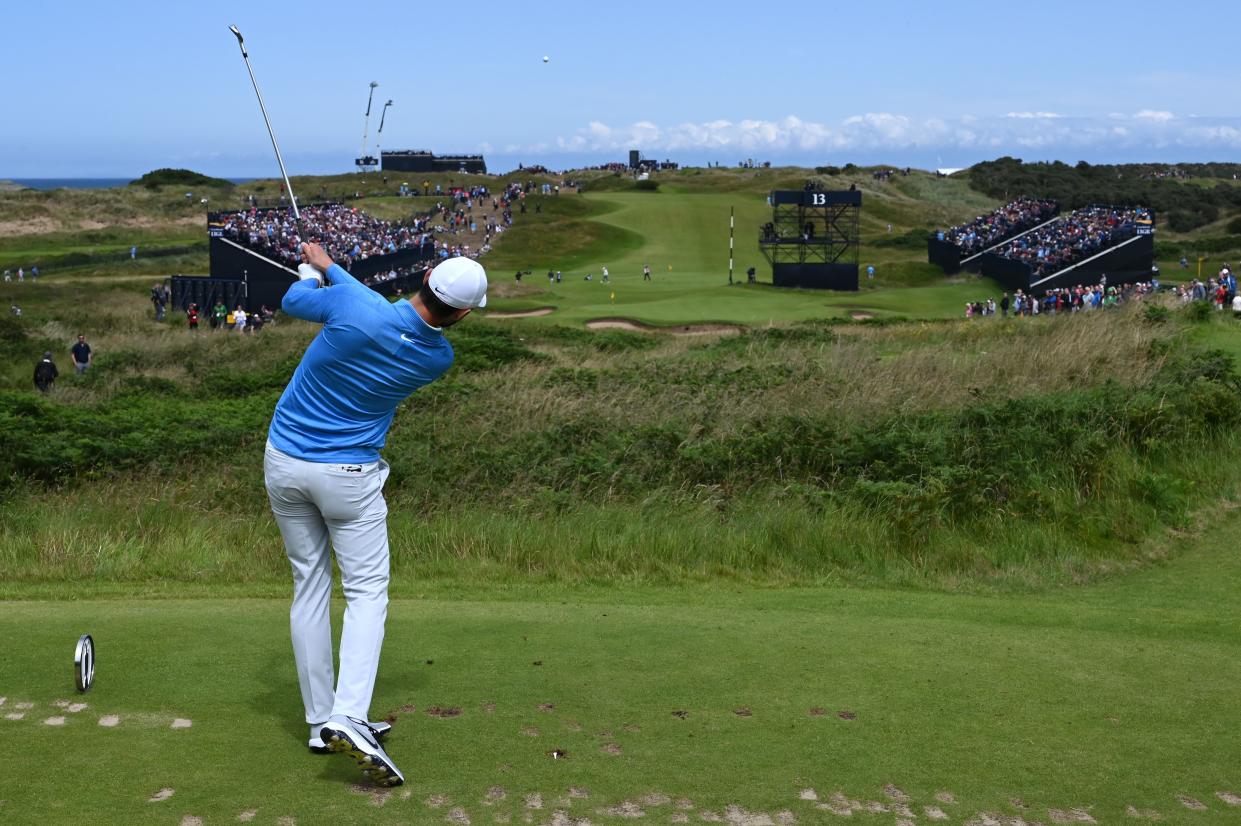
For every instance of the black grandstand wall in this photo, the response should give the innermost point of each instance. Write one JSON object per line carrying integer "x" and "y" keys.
{"x": 408, "y": 160}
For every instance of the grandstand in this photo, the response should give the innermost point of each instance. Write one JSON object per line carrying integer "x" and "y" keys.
{"x": 253, "y": 252}
{"x": 1077, "y": 248}
{"x": 962, "y": 247}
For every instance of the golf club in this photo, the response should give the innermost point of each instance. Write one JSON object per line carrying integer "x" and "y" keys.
{"x": 297, "y": 216}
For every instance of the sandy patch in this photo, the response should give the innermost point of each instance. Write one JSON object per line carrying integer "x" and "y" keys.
{"x": 1191, "y": 803}
{"x": 860, "y": 315}
{"x": 191, "y": 820}
{"x": 286, "y": 820}
{"x": 655, "y": 799}
{"x": 181, "y": 722}
{"x": 109, "y": 721}
{"x": 162, "y": 794}
{"x": 534, "y": 800}
{"x": 1070, "y": 816}
{"x": 1229, "y": 798}
{"x": 54, "y": 721}
{"x": 541, "y": 311}
{"x": 31, "y": 226}
{"x": 458, "y": 816}
{"x": 894, "y": 793}
{"x": 738, "y": 816}
{"x": 560, "y": 818}
{"x": 627, "y": 809}
{"x": 1145, "y": 814}
{"x": 677, "y": 330}
{"x": 934, "y": 813}
{"x": 23, "y": 706}
{"x": 14, "y": 715}
{"x": 679, "y": 817}
{"x": 785, "y": 818}
{"x": 247, "y": 816}
{"x": 808, "y": 794}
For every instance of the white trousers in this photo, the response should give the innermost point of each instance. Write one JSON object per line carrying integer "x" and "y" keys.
{"x": 343, "y": 504}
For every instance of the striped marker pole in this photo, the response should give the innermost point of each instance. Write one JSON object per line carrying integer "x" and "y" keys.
{"x": 731, "y": 221}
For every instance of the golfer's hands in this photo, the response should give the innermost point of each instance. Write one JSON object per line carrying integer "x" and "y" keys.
{"x": 314, "y": 255}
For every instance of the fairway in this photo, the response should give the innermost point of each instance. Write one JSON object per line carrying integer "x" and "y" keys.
{"x": 692, "y": 704}
{"x": 683, "y": 236}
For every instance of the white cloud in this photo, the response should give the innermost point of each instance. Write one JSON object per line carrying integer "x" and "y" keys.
{"x": 890, "y": 131}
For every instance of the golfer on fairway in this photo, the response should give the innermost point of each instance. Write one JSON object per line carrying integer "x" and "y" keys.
{"x": 325, "y": 478}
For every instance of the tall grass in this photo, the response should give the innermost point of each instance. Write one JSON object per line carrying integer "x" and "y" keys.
{"x": 956, "y": 453}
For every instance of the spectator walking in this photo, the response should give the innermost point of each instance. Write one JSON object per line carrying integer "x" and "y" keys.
{"x": 219, "y": 314}
{"x": 21, "y": 276}
{"x": 159, "y": 298}
{"x": 133, "y": 252}
{"x": 646, "y": 272}
{"x": 45, "y": 373}
{"x": 239, "y": 319}
{"x": 82, "y": 355}
{"x": 191, "y": 316}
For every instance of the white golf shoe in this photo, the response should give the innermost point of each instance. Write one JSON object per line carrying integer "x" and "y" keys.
{"x": 378, "y": 728}
{"x": 347, "y": 735}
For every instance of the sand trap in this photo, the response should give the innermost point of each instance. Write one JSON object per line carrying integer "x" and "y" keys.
{"x": 677, "y": 330}
{"x": 859, "y": 315}
{"x": 522, "y": 313}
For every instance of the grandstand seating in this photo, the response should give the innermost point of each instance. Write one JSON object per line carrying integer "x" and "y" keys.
{"x": 259, "y": 246}
{"x": 962, "y": 246}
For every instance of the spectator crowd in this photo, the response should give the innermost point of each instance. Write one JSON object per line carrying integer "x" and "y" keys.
{"x": 346, "y": 233}
{"x": 1073, "y": 238}
{"x": 1009, "y": 220}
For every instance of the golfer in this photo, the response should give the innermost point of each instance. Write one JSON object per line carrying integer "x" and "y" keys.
{"x": 325, "y": 478}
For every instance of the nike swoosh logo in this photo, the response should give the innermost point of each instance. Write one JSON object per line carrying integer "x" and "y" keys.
{"x": 407, "y": 338}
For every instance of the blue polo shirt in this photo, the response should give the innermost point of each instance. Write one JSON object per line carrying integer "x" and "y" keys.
{"x": 368, "y": 358}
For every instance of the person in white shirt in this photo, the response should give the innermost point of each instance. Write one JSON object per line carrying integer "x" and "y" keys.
{"x": 239, "y": 319}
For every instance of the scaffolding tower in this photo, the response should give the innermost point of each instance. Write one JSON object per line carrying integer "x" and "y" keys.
{"x": 812, "y": 239}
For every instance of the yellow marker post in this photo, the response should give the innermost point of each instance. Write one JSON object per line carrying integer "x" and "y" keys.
{"x": 613, "y": 296}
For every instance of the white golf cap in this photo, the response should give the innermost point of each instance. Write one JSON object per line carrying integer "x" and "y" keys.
{"x": 460, "y": 283}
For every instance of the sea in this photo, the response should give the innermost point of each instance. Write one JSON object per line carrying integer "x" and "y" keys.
{"x": 85, "y": 183}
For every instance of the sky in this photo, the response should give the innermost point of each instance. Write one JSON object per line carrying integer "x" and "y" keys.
{"x": 101, "y": 90}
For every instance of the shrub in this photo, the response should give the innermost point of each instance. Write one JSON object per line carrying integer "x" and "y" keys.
{"x": 647, "y": 186}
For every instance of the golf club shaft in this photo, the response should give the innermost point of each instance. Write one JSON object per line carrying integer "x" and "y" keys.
{"x": 297, "y": 215}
